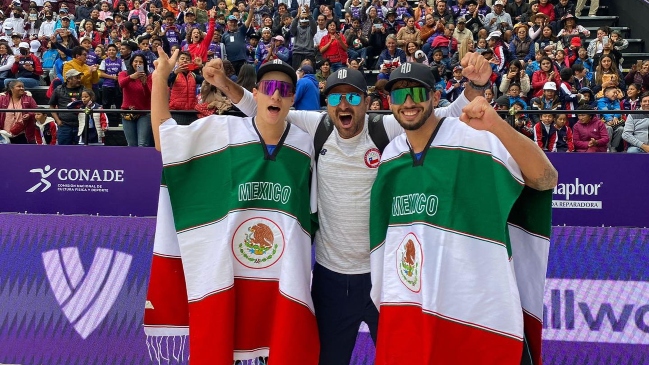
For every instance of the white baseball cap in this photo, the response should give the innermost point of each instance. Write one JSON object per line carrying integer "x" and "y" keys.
{"x": 499, "y": 2}
{"x": 34, "y": 46}
{"x": 550, "y": 86}
{"x": 23, "y": 45}
{"x": 495, "y": 34}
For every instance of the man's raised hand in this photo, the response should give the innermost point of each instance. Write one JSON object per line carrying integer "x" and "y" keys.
{"x": 476, "y": 68}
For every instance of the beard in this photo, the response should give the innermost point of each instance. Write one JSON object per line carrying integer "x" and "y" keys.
{"x": 413, "y": 126}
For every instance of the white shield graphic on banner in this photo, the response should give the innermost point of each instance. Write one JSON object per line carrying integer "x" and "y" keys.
{"x": 86, "y": 297}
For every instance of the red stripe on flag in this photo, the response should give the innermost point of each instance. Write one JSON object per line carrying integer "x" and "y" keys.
{"x": 533, "y": 328}
{"x": 250, "y": 316}
{"x": 408, "y": 336}
{"x": 167, "y": 293}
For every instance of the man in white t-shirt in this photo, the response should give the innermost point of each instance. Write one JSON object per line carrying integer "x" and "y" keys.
{"x": 347, "y": 166}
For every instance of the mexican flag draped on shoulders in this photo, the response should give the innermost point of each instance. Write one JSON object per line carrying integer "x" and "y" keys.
{"x": 232, "y": 255}
{"x": 459, "y": 250}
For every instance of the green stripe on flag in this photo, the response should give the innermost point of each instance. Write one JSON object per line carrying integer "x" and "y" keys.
{"x": 474, "y": 194}
{"x": 533, "y": 211}
{"x": 205, "y": 189}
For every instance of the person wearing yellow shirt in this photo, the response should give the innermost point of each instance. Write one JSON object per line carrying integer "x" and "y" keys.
{"x": 90, "y": 74}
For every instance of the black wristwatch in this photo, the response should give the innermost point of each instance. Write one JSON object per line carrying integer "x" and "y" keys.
{"x": 480, "y": 87}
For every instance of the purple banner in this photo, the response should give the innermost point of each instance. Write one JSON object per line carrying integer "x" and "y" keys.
{"x": 72, "y": 289}
{"x": 598, "y": 189}
{"x": 80, "y": 180}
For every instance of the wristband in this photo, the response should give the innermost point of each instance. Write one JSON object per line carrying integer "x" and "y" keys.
{"x": 480, "y": 87}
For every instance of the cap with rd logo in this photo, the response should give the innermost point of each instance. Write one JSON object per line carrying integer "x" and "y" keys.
{"x": 346, "y": 76}
{"x": 412, "y": 71}
{"x": 277, "y": 65}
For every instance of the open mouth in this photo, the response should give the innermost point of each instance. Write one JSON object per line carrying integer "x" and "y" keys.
{"x": 273, "y": 109}
{"x": 345, "y": 119}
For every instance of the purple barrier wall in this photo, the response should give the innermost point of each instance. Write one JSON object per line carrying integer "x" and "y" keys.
{"x": 602, "y": 189}
{"x": 72, "y": 288}
{"x": 80, "y": 180}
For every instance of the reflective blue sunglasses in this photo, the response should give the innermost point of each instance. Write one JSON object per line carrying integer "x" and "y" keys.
{"x": 353, "y": 99}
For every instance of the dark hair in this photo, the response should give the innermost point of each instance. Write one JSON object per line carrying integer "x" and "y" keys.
{"x": 131, "y": 69}
{"x": 9, "y": 51}
{"x": 90, "y": 93}
{"x": 247, "y": 77}
{"x": 586, "y": 107}
{"x": 644, "y": 95}
{"x": 185, "y": 53}
{"x": 566, "y": 73}
{"x": 78, "y": 51}
{"x": 228, "y": 68}
{"x": 514, "y": 84}
{"x": 517, "y": 64}
{"x": 577, "y": 67}
{"x": 329, "y": 22}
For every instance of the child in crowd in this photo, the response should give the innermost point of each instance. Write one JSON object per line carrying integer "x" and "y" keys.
{"x": 375, "y": 104}
{"x": 582, "y": 58}
{"x": 455, "y": 86}
{"x": 97, "y": 121}
{"x": 489, "y": 95}
{"x": 562, "y": 140}
{"x": 544, "y": 131}
{"x": 523, "y": 123}
{"x": 481, "y": 46}
{"x": 614, "y": 121}
{"x": 589, "y": 134}
{"x": 514, "y": 93}
{"x": 632, "y": 100}
{"x": 46, "y": 128}
{"x": 533, "y": 66}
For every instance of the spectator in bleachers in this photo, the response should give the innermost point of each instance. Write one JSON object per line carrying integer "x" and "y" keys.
{"x": 632, "y": 100}
{"x": 498, "y": 19}
{"x": 455, "y": 86}
{"x": 322, "y": 74}
{"x": 611, "y": 52}
{"x": 307, "y": 93}
{"x": 421, "y": 13}
{"x": 610, "y": 101}
{"x": 333, "y": 46}
{"x": 544, "y": 132}
{"x": 607, "y": 74}
{"x": 515, "y": 74}
{"x": 64, "y": 95}
{"x": 109, "y": 70}
{"x": 303, "y": 29}
{"x": 589, "y": 134}
{"x": 639, "y": 74}
{"x": 517, "y": 10}
{"x": 6, "y": 63}
{"x": 136, "y": 88}
{"x": 45, "y": 128}
{"x": 546, "y": 73}
{"x": 443, "y": 13}
{"x": 65, "y": 30}
{"x": 15, "y": 21}
{"x": 563, "y": 140}
{"x": 549, "y": 100}
{"x": 20, "y": 125}
{"x": 521, "y": 46}
{"x": 570, "y": 29}
{"x": 636, "y": 129}
{"x": 391, "y": 23}
{"x": 96, "y": 124}
{"x": 26, "y": 68}
{"x": 83, "y": 11}
{"x": 391, "y": 55}
{"x": 465, "y": 47}
{"x": 46, "y": 29}
{"x": 408, "y": 33}
{"x": 234, "y": 40}
{"x": 500, "y": 49}
{"x": 90, "y": 75}
{"x": 537, "y": 22}
{"x": 183, "y": 83}
{"x": 522, "y": 123}
{"x": 580, "y": 79}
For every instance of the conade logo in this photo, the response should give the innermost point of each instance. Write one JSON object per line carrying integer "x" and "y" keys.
{"x": 86, "y": 297}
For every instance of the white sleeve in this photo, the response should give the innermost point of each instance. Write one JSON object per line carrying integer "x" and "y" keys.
{"x": 247, "y": 104}
{"x": 392, "y": 127}
{"x": 453, "y": 110}
{"x": 102, "y": 66}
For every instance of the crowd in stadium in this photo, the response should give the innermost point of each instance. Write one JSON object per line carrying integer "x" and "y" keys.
{"x": 100, "y": 54}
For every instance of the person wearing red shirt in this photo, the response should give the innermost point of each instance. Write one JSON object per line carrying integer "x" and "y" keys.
{"x": 198, "y": 46}
{"x": 333, "y": 46}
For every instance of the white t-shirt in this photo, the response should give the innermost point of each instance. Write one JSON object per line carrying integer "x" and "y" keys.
{"x": 345, "y": 181}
